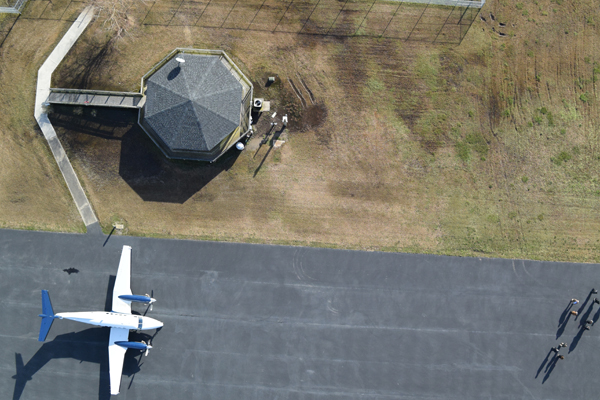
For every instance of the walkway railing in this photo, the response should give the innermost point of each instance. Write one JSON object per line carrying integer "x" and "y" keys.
{"x": 449, "y": 3}
{"x": 104, "y": 98}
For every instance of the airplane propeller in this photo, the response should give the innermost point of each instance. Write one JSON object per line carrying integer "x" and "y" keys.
{"x": 148, "y": 347}
{"x": 151, "y": 295}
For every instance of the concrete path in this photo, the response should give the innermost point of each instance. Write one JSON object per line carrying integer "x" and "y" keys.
{"x": 42, "y": 93}
{"x": 9, "y": 10}
{"x": 96, "y": 98}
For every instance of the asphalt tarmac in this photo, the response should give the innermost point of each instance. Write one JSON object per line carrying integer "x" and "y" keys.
{"x": 273, "y": 322}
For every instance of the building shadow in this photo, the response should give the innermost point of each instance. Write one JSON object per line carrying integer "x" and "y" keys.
{"x": 99, "y": 122}
{"x": 156, "y": 178}
{"x": 94, "y": 134}
{"x": 89, "y": 345}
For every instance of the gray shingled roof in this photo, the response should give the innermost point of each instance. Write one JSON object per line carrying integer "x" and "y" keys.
{"x": 193, "y": 106}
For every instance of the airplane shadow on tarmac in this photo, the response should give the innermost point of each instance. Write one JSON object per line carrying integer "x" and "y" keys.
{"x": 89, "y": 345}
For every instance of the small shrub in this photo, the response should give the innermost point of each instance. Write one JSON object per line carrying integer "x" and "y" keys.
{"x": 524, "y": 179}
{"x": 478, "y": 142}
{"x": 463, "y": 151}
{"x": 512, "y": 215}
{"x": 493, "y": 218}
{"x": 375, "y": 85}
{"x": 540, "y": 217}
{"x": 576, "y": 150}
{"x": 584, "y": 97}
{"x": 563, "y": 156}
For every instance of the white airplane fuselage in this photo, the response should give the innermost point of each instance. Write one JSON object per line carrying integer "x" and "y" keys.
{"x": 112, "y": 320}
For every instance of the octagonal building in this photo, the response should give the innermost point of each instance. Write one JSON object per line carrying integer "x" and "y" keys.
{"x": 197, "y": 104}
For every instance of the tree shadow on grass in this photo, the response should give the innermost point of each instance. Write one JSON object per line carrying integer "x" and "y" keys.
{"x": 87, "y": 65}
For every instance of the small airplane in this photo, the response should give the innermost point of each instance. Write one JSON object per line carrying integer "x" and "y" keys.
{"x": 120, "y": 320}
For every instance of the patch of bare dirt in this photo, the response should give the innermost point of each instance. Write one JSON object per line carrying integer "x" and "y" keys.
{"x": 311, "y": 117}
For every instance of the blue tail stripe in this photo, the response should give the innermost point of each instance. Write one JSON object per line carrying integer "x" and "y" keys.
{"x": 45, "y": 328}
{"x": 47, "y": 316}
{"x": 46, "y": 305}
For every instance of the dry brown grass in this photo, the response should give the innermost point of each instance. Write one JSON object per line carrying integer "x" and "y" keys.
{"x": 487, "y": 148}
{"x": 33, "y": 194}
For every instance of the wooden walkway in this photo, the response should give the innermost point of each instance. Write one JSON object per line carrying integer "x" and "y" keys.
{"x": 96, "y": 98}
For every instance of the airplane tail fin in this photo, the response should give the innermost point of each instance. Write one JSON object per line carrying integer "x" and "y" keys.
{"x": 47, "y": 316}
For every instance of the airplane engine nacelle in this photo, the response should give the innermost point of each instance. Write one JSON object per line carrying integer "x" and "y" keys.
{"x": 137, "y": 298}
{"x": 134, "y": 345}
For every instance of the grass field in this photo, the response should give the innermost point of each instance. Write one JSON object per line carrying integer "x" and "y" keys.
{"x": 33, "y": 194}
{"x": 484, "y": 148}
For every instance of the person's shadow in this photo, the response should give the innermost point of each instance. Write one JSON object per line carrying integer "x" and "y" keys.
{"x": 577, "y": 338}
{"x": 550, "y": 368}
{"x": 585, "y": 317}
{"x": 89, "y": 345}
{"x": 563, "y": 320}
{"x": 543, "y": 363}
{"x": 586, "y": 301}
{"x": 596, "y": 316}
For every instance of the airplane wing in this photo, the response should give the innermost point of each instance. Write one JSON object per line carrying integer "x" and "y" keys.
{"x": 123, "y": 283}
{"x": 116, "y": 357}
